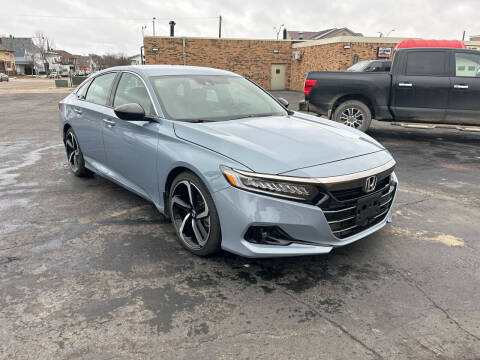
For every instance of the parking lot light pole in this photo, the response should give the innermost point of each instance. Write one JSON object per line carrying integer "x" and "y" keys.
{"x": 390, "y": 32}
{"x": 153, "y": 22}
{"x": 277, "y": 31}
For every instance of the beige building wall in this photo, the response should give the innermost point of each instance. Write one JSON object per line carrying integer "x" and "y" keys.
{"x": 7, "y": 62}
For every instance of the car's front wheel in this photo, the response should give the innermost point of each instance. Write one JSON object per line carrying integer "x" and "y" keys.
{"x": 194, "y": 215}
{"x": 353, "y": 113}
{"x": 75, "y": 155}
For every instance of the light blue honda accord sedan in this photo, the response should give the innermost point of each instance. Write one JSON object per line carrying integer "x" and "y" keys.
{"x": 227, "y": 162}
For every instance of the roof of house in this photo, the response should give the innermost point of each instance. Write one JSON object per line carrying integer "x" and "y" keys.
{"x": 316, "y": 35}
{"x": 20, "y": 43}
{"x": 4, "y": 48}
{"x": 64, "y": 54}
{"x": 19, "y": 53}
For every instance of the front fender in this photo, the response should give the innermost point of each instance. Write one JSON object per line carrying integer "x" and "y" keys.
{"x": 204, "y": 163}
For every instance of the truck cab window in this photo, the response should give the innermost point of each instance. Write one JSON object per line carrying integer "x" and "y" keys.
{"x": 427, "y": 63}
{"x": 467, "y": 64}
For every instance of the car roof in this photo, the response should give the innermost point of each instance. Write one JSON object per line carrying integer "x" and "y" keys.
{"x": 162, "y": 70}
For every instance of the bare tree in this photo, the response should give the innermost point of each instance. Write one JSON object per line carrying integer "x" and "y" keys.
{"x": 109, "y": 60}
{"x": 44, "y": 44}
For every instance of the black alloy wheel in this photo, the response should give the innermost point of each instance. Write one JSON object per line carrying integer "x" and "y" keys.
{"x": 75, "y": 155}
{"x": 194, "y": 215}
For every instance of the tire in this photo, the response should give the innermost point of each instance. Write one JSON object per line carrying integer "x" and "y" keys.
{"x": 194, "y": 215}
{"x": 75, "y": 155}
{"x": 353, "y": 113}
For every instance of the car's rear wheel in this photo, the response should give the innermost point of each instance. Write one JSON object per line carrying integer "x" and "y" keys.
{"x": 194, "y": 215}
{"x": 74, "y": 155}
{"x": 353, "y": 113}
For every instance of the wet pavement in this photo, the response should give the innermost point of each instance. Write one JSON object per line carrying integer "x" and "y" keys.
{"x": 91, "y": 271}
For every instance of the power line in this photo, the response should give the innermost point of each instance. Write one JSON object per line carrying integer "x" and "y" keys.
{"x": 111, "y": 18}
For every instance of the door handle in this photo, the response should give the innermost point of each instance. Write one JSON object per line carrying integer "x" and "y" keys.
{"x": 458, "y": 86}
{"x": 402, "y": 84}
{"x": 78, "y": 111}
{"x": 109, "y": 123}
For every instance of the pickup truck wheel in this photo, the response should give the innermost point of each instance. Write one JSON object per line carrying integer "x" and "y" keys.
{"x": 353, "y": 113}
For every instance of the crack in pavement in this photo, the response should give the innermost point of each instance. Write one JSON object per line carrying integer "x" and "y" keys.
{"x": 321, "y": 315}
{"x": 402, "y": 205}
{"x": 445, "y": 312}
{"x": 430, "y": 350}
{"x": 334, "y": 323}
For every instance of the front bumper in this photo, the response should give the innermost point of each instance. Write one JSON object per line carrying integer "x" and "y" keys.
{"x": 239, "y": 210}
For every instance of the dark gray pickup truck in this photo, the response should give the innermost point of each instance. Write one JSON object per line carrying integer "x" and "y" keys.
{"x": 425, "y": 86}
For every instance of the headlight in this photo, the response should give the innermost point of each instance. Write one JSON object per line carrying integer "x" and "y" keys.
{"x": 260, "y": 184}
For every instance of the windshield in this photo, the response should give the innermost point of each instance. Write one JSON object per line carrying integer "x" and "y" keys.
{"x": 212, "y": 98}
{"x": 360, "y": 66}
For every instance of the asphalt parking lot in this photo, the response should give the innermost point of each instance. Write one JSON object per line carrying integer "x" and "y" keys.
{"x": 91, "y": 271}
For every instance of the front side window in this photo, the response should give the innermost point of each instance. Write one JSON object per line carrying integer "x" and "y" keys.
{"x": 431, "y": 63}
{"x": 100, "y": 88}
{"x": 213, "y": 97}
{"x": 467, "y": 64}
{"x": 82, "y": 90}
{"x": 131, "y": 89}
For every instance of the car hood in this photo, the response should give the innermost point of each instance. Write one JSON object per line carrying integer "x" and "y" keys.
{"x": 279, "y": 144}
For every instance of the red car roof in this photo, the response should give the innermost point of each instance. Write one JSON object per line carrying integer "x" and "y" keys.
{"x": 415, "y": 43}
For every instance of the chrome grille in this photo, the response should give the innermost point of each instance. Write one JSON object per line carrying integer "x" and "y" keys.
{"x": 340, "y": 209}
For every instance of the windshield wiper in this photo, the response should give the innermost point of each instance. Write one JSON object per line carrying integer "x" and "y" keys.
{"x": 250, "y": 116}
{"x": 196, "y": 120}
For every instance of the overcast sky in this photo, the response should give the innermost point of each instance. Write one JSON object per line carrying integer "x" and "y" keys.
{"x": 114, "y": 26}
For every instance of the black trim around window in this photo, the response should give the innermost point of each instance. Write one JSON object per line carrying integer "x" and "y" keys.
{"x": 109, "y": 91}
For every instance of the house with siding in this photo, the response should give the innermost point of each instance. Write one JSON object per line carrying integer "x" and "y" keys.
{"x": 7, "y": 60}
{"x": 26, "y": 53}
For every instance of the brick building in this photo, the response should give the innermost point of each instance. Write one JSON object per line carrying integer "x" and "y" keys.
{"x": 334, "y": 54}
{"x": 250, "y": 58}
{"x": 273, "y": 64}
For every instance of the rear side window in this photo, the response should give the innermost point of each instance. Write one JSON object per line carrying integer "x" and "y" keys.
{"x": 467, "y": 64}
{"x": 99, "y": 89}
{"x": 427, "y": 63}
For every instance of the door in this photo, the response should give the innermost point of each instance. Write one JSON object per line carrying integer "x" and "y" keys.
{"x": 464, "y": 97}
{"x": 420, "y": 91}
{"x": 131, "y": 146}
{"x": 89, "y": 110}
{"x": 277, "y": 75}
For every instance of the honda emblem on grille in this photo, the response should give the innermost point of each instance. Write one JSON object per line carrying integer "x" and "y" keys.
{"x": 370, "y": 184}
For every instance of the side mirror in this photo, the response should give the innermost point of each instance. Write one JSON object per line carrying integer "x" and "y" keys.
{"x": 130, "y": 111}
{"x": 283, "y": 101}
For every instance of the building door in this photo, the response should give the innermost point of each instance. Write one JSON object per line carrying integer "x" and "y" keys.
{"x": 277, "y": 76}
